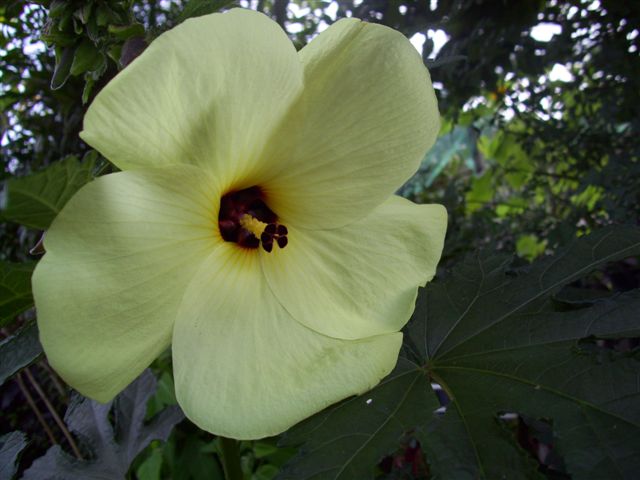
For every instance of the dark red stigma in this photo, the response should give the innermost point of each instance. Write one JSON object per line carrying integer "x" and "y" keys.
{"x": 249, "y": 201}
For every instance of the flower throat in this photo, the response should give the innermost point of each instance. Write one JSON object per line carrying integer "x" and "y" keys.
{"x": 245, "y": 219}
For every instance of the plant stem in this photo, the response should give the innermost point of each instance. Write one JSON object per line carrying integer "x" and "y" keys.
{"x": 54, "y": 414}
{"x": 230, "y": 456}
{"x": 36, "y": 410}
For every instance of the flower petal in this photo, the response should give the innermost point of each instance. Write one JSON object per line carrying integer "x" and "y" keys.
{"x": 119, "y": 257}
{"x": 245, "y": 369}
{"x": 365, "y": 276}
{"x": 366, "y": 118}
{"x": 206, "y": 93}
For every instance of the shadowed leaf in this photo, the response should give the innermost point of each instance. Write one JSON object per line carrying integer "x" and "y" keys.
{"x": 113, "y": 447}
{"x": 347, "y": 440}
{"x": 494, "y": 340}
{"x": 11, "y": 445}
{"x": 18, "y": 351}
{"x": 15, "y": 290}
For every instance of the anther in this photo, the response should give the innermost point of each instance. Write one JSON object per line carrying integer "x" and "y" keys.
{"x": 274, "y": 232}
{"x": 282, "y": 241}
{"x": 267, "y": 244}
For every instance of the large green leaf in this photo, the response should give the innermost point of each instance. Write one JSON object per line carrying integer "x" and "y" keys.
{"x": 498, "y": 343}
{"x": 36, "y": 199}
{"x": 347, "y": 440}
{"x": 15, "y": 290}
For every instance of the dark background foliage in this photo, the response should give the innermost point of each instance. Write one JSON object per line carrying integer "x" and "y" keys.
{"x": 540, "y": 145}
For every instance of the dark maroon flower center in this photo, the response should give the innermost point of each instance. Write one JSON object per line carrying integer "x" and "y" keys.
{"x": 246, "y": 219}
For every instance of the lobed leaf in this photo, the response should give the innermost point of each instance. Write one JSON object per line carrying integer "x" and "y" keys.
{"x": 349, "y": 439}
{"x": 36, "y": 199}
{"x": 113, "y": 448}
{"x": 499, "y": 345}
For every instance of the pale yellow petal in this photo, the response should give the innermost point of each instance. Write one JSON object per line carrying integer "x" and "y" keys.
{"x": 119, "y": 257}
{"x": 207, "y": 93}
{"x": 367, "y": 116}
{"x": 245, "y": 369}
{"x": 365, "y": 276}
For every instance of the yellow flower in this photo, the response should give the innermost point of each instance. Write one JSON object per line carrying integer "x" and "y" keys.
{"x": 253, "y": 227}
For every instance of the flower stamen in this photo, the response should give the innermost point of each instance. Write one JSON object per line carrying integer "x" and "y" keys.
{"x": 266, "y": 232}
{"x": 245, "y": 219}
{"x": 273, "y": 232}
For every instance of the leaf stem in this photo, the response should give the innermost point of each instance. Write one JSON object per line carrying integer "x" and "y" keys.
{"x": 34, "y": 407}
{"x": 230, "y": 457}
{"x": 54, "y": 414}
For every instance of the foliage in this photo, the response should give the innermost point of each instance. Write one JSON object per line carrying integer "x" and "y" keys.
{"x": 112, "y": 448}
{"x": 11, "y": 445}
{"x": 15, "y": 290}
{"x": 508, "y": 368}
{"x": 18, "y": 351}
{"x": 497, "y": 343}
{"x": 35, "y": 200}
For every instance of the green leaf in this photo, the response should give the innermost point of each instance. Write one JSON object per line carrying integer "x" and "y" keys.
{"x": 530, "y": 246}
{"x": 347, "y": 440}
{"x": 64, "y": 59}
{"x": 114, "y": 53}
{"x": 496, "y": 345}
{"x": 268, "y": 450}
{"x": 105, "y": 15}
{"x": 18, "y": 351}
{"x": 487, "y": 300}
{"x": 36, "y": 199}
{"x": 150, "y": 468}
{"x": 15, "y": 290}
{"x": 86, "y": 91}
{"x": 265, "y": 472}
{"x": 113, "y": 447}
{"x": 164, "y": 396}
{"x": 57, "y": 7}
{"x": 494, "y": 340}
{"x": 482, "y": 192}
{"x": 192, "y": 459}
{"x": 197, "y": 8}
{"x": 86, "y": 58}
{"x": 84, "y": 13}
{"x": 11, "y": 445}
{"x": 122, "y": 32}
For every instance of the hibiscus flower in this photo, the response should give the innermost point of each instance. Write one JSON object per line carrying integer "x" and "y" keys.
{"x": 253, "y": 227}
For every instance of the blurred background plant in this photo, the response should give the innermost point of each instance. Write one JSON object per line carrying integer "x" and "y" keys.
{"x": 540, "y": 144}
